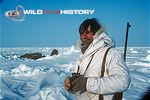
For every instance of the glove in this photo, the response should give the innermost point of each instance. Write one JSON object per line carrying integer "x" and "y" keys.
{"x": 79, "y": 84}
{"x": 67, "y": 83}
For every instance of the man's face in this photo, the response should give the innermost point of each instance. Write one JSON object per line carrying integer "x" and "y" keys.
{"x": 86, "y": 38}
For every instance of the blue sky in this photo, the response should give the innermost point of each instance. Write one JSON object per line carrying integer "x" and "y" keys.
{"x": 52, "y": 30}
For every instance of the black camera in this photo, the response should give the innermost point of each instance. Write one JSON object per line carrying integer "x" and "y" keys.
{"x": 74, "y": 76}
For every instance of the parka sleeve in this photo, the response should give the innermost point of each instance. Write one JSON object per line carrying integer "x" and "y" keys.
{"x": 118, "y": 79}
{"x": 76, "y": 66}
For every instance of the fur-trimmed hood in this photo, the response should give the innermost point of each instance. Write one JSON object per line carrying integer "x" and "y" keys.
{"x": 100, "y": 40}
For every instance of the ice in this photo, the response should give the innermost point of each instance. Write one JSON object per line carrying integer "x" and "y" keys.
{"x": 3, "y": 72}
{"x": 55, "y": 92}
{"x": 134, "y": 51}
{"x": 22, "y": 70}
{"x": 1, "y": 56}
{"x": 15, "y": 56}
{"x": 131, "y": 49}
{"x": 142, "y": 64}
{"x": 42, "y": 79}
{"x": 148, "y": 58}
{"x": 148, "y": 51}
{"x": 70, "y": 50}
{"x": 47, "y": 57}
{"x": 23, "y": 86}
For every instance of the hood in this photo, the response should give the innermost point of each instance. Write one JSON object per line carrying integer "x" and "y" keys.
{"x": 100, "y": 40}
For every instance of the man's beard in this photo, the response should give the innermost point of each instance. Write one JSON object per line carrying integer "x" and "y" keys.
{"x": 84, "y": 47}
{"x": 81, "y": 46}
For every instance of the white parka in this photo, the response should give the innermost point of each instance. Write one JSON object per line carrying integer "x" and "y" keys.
{"x": 116, "y": 77}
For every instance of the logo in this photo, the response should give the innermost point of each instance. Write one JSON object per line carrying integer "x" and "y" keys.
{"x": 19, "y": 13}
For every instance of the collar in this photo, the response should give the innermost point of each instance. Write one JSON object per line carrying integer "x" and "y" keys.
{"x": 101, "y": 40}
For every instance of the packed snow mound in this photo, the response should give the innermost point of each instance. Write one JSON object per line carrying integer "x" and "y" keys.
{"x": 26, "y": 83}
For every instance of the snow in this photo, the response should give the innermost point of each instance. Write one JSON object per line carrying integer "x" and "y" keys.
{"x": 42, "y": 79}
{"x": 148, "y": 51}
{"x": 134, "y": 52}
{"x": 148, "y": 58}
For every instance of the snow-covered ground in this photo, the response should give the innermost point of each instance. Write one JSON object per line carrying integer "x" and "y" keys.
{"x": 42, "y": 79}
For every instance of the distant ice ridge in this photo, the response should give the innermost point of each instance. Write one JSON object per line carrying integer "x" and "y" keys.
{"x": 134, "y": 51}
{"x": 70, "y": 50}
{"x": 62, "y": 52}
{"x": 143, "y": 62}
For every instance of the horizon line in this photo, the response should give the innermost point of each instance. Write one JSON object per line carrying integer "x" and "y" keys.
{"x": 70, "y": 46}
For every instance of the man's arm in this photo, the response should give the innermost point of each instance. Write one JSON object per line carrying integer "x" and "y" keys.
{"x": 118, "y": 79}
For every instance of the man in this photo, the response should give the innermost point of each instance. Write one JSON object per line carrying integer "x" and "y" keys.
{"x": 96, "y": 78}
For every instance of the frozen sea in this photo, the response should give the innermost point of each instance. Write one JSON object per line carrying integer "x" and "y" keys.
{"x": 42, "y": 79}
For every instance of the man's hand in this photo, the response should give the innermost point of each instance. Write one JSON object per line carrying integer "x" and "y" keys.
{"x": 79, "y": 84}
{"x": 67, "y": 83}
